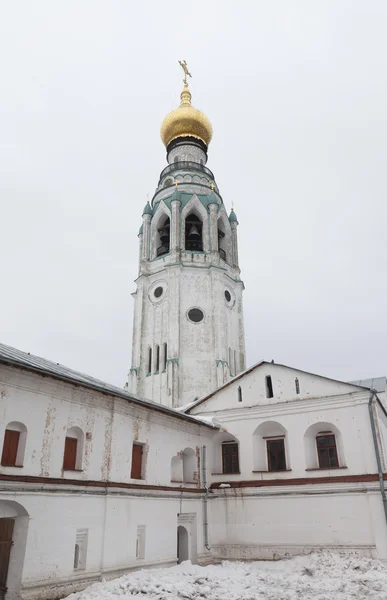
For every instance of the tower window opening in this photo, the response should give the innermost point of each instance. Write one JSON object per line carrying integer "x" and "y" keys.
{"x": 149, "y": 370}
{"x": 165, "y": 357}
{"x": 195, "y": 315}
{"x": 163, "y": 238}
{"x": 193, "y": 233}
{"x": 239, "y": 394}
{"x": 269, "y": 387}
{"x": 227, "y": 295}
{"x": 297, "y": 384}
{"x": 157, "y": 363}
{"x": 158, "y": 292}
{"x": 221, "y": 242}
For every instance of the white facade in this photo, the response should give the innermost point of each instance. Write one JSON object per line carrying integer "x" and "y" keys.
{"x": 73, "y": 527}
{"x": 174, "y": 359}
{"x": 98, "y": 506}
{"x": 263, "y": 514}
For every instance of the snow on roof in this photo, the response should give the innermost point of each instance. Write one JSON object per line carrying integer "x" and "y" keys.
{"x": 17, "y": 358}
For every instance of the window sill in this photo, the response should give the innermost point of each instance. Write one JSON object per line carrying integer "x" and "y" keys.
{"x": 156, "y": 372}
{"x": 235, "y": 473}
{"x": 137, "y": 478}
{"x": 13, "y": 466}
{"x": 325, "y": 468}
{"x": 148, "y": 374}
{"x": 266, "y": 471}
{"x": 175, "y": 481}
{"x": 73, "y": 470}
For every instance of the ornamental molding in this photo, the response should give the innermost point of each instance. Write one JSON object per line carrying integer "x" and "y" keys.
{"x": 219, "y": 361}
{"x": 173, "y": 361}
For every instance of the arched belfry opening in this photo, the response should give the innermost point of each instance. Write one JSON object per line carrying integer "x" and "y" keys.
{"x": 222, "y": 241}
{"x": 163, "y": 237}
{"x": 193, "y": 233}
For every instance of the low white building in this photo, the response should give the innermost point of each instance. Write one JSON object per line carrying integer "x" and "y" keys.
{"x": 308, "y": 464}
{"x": 95, "y": 482}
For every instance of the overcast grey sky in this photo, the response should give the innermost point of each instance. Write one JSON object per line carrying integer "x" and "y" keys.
{"x": 297, "y": 95}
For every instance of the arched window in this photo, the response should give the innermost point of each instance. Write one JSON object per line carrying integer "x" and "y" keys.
{"x": 323, "y": 447}
{"x": 157, "y": 362}
{"x": 222, "y": 242}
{"x": 189, "y": 465}
{"x": 270, "y": 447}
{"x": 297, "y": 384}
{"x": 269, "y": 386}
{"x": 73, "y": 450}
{"x": 193, "y": 233}
{"x": 165, "y": 357}
{"x": 226, "y": 454}
{"x": 239, "y": 394}
{"x": 163, "y": 237}
{"x": 149, "y": 365}
{"x": 14, "y": 445}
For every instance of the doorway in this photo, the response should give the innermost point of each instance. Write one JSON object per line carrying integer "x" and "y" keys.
{"x": 6, "y": 533}
{"x": 182, "y": 544}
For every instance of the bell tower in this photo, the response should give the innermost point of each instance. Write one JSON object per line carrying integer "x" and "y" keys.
{"x": 188, "y": 333}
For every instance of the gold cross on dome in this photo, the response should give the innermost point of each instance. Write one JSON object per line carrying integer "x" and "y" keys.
{"x": 176, "y": 182}
{"x": 183, "y": 64}
{"x": 212, "y": 185}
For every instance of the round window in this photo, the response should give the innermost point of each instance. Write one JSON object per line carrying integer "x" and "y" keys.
{"x": 158, "y": 292}
{"x": 196, "y": 315}
{"x": 227, "y": 295}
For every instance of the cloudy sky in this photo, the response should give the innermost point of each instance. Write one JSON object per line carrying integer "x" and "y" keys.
{"x": 297, "y": 95}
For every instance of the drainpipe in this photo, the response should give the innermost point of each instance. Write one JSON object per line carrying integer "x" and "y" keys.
{"x": 205, "y": 500}
{"x": 373, "y": 396}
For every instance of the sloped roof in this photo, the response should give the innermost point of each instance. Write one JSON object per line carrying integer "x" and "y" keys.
{"x": 376, "y": 383}
{"x": 17, "y": 358}
{"x": 256, "y": 366}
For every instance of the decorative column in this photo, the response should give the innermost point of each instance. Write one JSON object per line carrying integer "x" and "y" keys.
{"x": 234, "y": 237}
{"x": 146, "y": 220}
{"x": 140, "y": 244}
{"x": 213, "y": 207}
{"x": 175, "y": 224}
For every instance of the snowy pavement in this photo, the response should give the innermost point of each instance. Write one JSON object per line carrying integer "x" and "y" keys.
{"x": 320, "y": 576}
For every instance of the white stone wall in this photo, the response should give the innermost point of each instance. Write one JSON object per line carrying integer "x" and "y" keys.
{"x": 49, "y": 512}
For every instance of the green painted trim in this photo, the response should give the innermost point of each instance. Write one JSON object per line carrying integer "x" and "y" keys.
{"x": 159, "y": 257}
{"x": 156, "y": 372}
{"x": 173, "y": 361}
{"x": 219, "y": 361}
{"x": 148, "y": 374}
{"x": 134, "y": 370}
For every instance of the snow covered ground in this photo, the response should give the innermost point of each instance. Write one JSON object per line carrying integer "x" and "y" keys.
{"x": 320, "y": 576}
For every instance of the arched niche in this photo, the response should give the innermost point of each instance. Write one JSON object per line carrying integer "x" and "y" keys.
{"x": 264, "y": 437}
{"x": 74, "y": 444}
{"x": 18, "y": 523}
{"x": 189, "y": 465}
{"x": 322, "y": 429}
{"x": 176, "y": 469}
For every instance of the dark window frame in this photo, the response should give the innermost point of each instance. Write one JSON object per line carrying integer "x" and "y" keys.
{"x": 327, "y": 455}
{"x": 274, "y": 455}
{"x": 10, "y": 448}
{"x": 136, "y": 473}
{"x": 230, "y": 459}
{"x": 269, "y": 387}
{"x": 157, "y": 361}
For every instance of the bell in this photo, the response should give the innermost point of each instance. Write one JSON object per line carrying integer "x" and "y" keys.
{"x": 194, "y": 232}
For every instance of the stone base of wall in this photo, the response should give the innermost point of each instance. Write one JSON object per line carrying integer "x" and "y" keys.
{"x": 49, "y": 590}
{"x": 278, "y": 552}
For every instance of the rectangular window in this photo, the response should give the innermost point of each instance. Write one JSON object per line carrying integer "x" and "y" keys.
{"x": 70, "y": 454}
{"x": 80, "y": 549}
{"x": 230, "y": 457}
{"x": 269, "y": 387}
{"x": 327, "y": 451}
{"x": 239, "y": 394}
{"x": 157, "y": 366}
{"x": 149, "y": 361}
{"x": 165, "y": 357}
{"x": 140, "y": 542}
{"x": 10, "y": 447}
{"x": 276, "y": 455}
{"x": 136, "y": 461}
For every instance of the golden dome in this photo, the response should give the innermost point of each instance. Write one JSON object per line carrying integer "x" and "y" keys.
{"x": 186, "y": 121}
